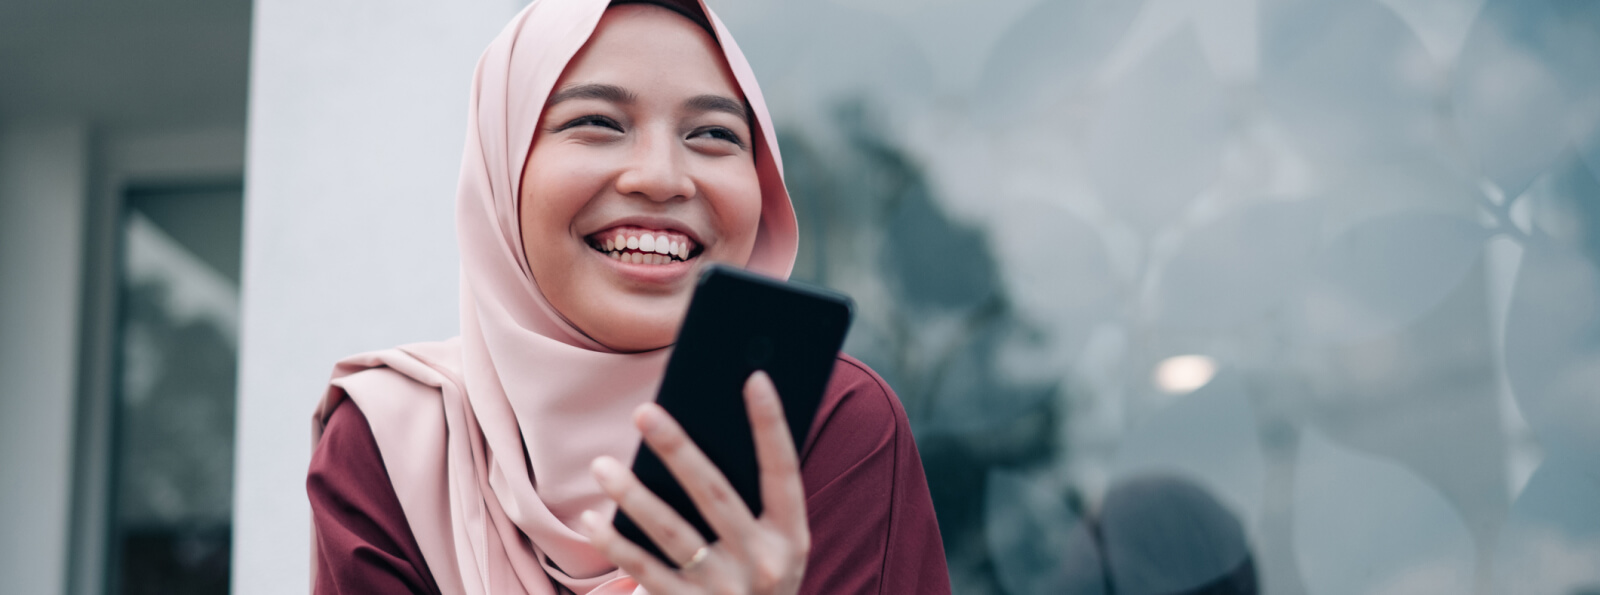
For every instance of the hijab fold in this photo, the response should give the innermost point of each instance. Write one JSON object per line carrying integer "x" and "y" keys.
{"x": 487, "y": 437}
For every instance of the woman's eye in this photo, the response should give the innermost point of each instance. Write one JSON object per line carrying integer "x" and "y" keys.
{"x": 592, "y": 120}
{"x": 720, "y": 133}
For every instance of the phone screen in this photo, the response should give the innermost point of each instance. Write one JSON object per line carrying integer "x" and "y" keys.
{"x": 739, "y": 322}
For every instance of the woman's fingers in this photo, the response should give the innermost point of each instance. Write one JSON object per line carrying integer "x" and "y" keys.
{"x": 758, "y": 556}
{"x": 632, "y": 559}
{"x": 782, "y": 493}
{"x": 675, "y": 536}
{"x": 716, "y": 499}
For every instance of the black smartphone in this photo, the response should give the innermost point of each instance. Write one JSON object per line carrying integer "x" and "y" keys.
{"x": 740, "y": 322}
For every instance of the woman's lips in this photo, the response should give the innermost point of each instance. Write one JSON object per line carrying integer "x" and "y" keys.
{"x": 647, "y": 269}
{"x": 638, "y": 245}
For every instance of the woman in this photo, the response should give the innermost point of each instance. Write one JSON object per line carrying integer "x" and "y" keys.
{"x": 492, "y": 463}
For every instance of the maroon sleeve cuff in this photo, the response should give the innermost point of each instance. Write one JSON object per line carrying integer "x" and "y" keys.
{"x": 364, "y": 544}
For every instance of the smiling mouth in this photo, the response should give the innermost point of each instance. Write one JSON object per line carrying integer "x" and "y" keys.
{"x": 640, "y": 246}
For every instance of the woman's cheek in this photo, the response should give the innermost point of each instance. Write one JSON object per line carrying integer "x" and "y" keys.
{"x": 577, "y": 179}
{"x": 749, "y": 217}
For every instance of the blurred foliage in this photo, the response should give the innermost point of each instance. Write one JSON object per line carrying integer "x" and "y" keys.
{"x": 932, "y": 319}
{"x": 175, "y": 406}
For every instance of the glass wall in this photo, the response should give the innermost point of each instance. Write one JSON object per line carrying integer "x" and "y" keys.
{"x": 1280, "y": 296}
{"x": 173, "y": 457}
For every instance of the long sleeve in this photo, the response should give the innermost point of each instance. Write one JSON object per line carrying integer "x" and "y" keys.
{"x": 873, "y": 528}
{"x": 363, "y": 542}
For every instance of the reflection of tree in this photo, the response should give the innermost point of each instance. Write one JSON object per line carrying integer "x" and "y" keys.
{"x": 1324, "y": 224}
{"x": 174, "y": 454}
{"x": 1405, "y": 285}
{"x": 933, "y": 318}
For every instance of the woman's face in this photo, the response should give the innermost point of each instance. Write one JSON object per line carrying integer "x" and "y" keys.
{"x": 641, "y": 174}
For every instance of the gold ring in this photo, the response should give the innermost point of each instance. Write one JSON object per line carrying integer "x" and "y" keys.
{"x": 695, "y": 560}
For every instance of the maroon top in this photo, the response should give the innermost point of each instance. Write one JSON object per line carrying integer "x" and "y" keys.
{"x": 872, "y": 524}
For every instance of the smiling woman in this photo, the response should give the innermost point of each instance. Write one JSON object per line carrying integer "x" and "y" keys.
{"x": 642, "y": 140}
{"x": 490, "y": 463}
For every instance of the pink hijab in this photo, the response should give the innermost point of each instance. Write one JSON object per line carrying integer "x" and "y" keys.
{"x": 488, "y": 437}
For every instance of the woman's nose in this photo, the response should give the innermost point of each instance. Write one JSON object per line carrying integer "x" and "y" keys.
{"x": 656, "y": 170}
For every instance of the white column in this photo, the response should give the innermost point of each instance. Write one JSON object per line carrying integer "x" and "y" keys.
{"x": 43, "y": 191}
{"x": 357, "y": 120}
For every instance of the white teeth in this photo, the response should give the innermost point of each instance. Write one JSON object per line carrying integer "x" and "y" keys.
{"x": 650, "y": 248}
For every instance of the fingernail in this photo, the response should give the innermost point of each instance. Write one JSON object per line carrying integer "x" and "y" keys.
{"x": 762, "y": 387}
{"x": 604, "y": 468}
{"x": 649, "y": 417}
{"x": 587, "y": 520}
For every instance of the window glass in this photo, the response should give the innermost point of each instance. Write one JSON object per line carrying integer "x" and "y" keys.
{"x": 173, "y": 456}
{"x": 1279, "y": 296}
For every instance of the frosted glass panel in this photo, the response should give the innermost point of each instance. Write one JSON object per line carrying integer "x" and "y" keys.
{"x": 1306, "y": 287}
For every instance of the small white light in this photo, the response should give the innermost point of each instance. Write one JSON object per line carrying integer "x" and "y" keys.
{"x": 1184, "y": 374}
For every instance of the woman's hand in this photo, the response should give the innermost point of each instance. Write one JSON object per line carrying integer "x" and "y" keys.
{"x": 765, "y": 556}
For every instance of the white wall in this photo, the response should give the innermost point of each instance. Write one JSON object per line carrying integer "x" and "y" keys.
{"x": 43, "y": 193}
{"x": 357, "y": 120}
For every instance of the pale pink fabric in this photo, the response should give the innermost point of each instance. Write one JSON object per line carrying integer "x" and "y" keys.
{"x": 488, "y": 437}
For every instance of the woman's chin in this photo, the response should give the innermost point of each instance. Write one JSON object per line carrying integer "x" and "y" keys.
{"x": 620, "y": 312}
{"x": 641, "y": 324}
{"x": 637, "y": 344}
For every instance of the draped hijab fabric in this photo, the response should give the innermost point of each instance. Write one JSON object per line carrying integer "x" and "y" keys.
{"x": 487, "y": 437}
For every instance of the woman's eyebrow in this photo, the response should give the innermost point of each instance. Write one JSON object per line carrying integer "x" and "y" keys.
{"x": 718, "y": 103}
{"x": 600, "y": 91}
